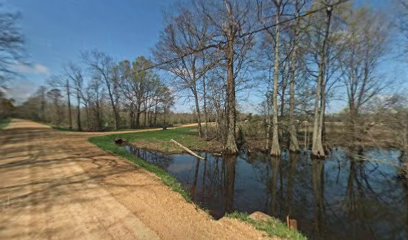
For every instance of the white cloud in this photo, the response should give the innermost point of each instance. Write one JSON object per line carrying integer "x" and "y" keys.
{"x": 38, "y": 69}
{"x": 20, "y": 90}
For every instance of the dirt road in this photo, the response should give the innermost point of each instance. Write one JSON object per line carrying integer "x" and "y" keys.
{"x": 56, "y": 185}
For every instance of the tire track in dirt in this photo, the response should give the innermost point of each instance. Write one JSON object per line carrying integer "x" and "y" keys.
{"x": 64, "y": 187}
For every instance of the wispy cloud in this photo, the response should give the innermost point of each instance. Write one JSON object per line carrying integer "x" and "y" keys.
{"x": 38, "y": 69}
{"x": 20, "y": 90}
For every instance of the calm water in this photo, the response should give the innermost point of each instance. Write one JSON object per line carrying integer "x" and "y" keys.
{"x": 343, "y": 197}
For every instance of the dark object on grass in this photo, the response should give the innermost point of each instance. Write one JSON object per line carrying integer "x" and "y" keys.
{"x": 119, "y": 141}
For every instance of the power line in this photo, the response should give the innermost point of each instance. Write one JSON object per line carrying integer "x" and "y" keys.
{"x": 220, "y": 43}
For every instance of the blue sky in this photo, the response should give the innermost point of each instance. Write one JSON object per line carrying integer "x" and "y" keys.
{"x": 57, "y": 30}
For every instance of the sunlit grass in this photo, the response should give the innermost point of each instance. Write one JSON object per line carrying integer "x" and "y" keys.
{"x": 160, "y": 140}
{"x": 273, "y": 227}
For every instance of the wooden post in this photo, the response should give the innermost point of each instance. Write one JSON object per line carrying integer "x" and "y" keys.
{"x": 292, "y": 223}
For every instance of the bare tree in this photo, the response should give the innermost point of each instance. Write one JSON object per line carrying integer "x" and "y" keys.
{"x": 184, "y": 34}
{"x": 366, "y": 37}
{"x": 56, "y": 98}
{"x": 74, "y": 73}
{"x": 6, "y": 106}
{"x": 94, "y": 96}
{"x": 295, "y": 57}
{"x": 229, "y": 20}
{"x": 320, "y": 101}
{"x": 278, "y": 8}
{"x": 402, "y": 19}
{"x": 11, "y": 43}
{"x": 103, "y": 65}
{"x": 63, "y": 83}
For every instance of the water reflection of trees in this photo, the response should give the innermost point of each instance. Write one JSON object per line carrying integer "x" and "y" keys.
{"x": 273, "y": 187}
{"x": 157, "y": 159}
{"x": 318, "y": 191}
{"x": 373, "y": 197}
{"x": 214, "y": 183}
{"x": 345, "y": 195}
{"x": 293, "y": 161}
{"x": 229, "y": 181}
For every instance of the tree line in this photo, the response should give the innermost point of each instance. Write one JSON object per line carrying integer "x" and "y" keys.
{"x": 101, "y": 94}
{"x": 295, "y": 55}
{"x": 298, "y": 52}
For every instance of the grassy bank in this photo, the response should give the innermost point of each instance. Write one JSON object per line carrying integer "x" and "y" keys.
{"x": 274, "y": 227}
{"x": 4, "y": 123}
{"x": 107, "y": 143}
{"x": 159, "y": 141}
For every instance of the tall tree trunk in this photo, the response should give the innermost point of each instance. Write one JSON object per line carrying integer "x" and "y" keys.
{"x": 69, "y": 105}
{"x": 320, "y": 102}
{"x": 198, "y": 112}
{"x": 294, "y": 143}
{"x": 138, "y": 116}
{"x": 205, "y": 109}
{"x": 145, "y": 114}
{"x": 87, "y": 116}
{"x": 131, "y": 115}
{"x": 275, "y": 149}
{"x": 114, "y": 107}
{"x": 231, "y": 144}
{"x": 155, "y": 114}
{"x": 79, "y": 112}
{"x": 268, "y": 125}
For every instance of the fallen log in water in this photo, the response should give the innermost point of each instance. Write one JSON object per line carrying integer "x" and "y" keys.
{"x": 186, "y": 149}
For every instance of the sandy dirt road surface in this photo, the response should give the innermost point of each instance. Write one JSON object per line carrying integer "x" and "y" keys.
{"x": 56, "y": 185}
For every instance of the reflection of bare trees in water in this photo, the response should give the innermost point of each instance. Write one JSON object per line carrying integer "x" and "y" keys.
{"x": 211, "y": 179}
{"x": 194, "y": 186}
{"x": 318, "y": 191}
{"x": 214, "y": 183}
{"x": 157, "y": 159}
{"x": 360, "y": 195}
{"x": 229, "y": 181}
{"x": 293, "y": 161}
{"x": 348, "y": 194}
{"x": 274, "y": 184}
{"x": 279, "y": 175}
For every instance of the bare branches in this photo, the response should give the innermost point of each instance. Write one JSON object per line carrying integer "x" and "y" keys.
{"x": 11, "y": 43}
